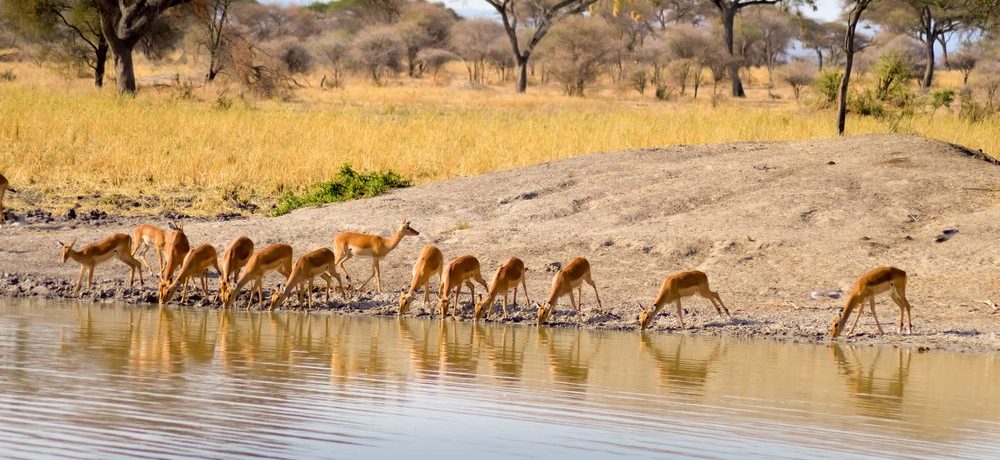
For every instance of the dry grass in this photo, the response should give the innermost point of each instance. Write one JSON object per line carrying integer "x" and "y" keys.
{"x": 64, "y": 140}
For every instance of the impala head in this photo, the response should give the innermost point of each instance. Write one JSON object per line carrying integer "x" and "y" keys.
{"x": 165, "y": 292}
{"x": 837, "y": 327}
{"x": 66, "y": 249}
{"x": 406, "y": 229}
{"x": 404, "y": 304}
{"x": 481, "y": 310}
{"x": 277, "y": 298}
{"x": 544, "y": 313}
{"x": 443, "y": 306}
{"x": 645, "y": 317}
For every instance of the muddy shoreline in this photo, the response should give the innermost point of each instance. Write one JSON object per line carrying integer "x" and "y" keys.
{"x": 770, "y": 223}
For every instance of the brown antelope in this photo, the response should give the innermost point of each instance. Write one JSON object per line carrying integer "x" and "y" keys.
{"x": 316, "y": 263}
{"x": 349, "y": 244}
{"x": 429, "y": 264}
{"x": 144, "y": 237}
{"x": 90, "y": 256}
{"x": 459, "y": 271}
{"x": 508, "y": 275}
{"x": 675, "y": 288}
{"x": 233, "y": 260}
{"x": 176, "y": 246}
{"x": 196, "y": 263}
{"x": 276, "y": 257}
{"x": 4, "y": 188}
{"x": 570, "y": 277}
{"x": 885, "y": 279}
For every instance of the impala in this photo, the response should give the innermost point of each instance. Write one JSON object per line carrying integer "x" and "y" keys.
{"x": 678, "y": 286}
{"x": 429, "y": 264}
{"x": 233, "y": 260}
{"x": 148, "y": 236}
{"x": 90, "y": 256}
{"x": 459, "y": 271}
{"x": 276, "y": 257}
{"x": 316, "y": 263}
{"x": 349, "y": 244}
{"x": 4, "y": 188}
{"x": 570, "y": 277}
{"x": 196, "y": 263}
{"x": 177, "y": 246}
{"x": 882, "y": 280}
{"x": 508, "y": 275}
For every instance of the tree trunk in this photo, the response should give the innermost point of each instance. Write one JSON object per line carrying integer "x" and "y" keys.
{"x": 852, "y": 25}
{"x": 101, "y": 63}
{"x": 929, "y": 66}
{"x": 819, "y": 57}
{"x": 124, "y": 71}
{"x": 522, "y": 74}
{"x": 728, "y": 21}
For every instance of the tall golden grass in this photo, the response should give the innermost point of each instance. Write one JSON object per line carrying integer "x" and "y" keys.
{"x": 69, "y": 140}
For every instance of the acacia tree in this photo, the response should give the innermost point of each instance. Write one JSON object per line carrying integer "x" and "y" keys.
{"x": 728, "y": 10}
{"x": 71, "y": 25}
{"x": 538, "y": 16}
{"x": 124, "y": 23}
{"x": 215, "y": 21}
{"x": 821, "y": 37}
{"x": 857, "y": 7}
{"x": 926, "y": 20}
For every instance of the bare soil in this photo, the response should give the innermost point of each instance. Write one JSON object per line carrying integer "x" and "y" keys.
{"x": 771, "y": 224}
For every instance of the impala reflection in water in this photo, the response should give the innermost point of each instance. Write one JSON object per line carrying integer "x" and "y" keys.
{"x": 85, "y": 380}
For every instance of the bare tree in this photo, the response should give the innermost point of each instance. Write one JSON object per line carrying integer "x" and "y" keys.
{"x": 964, "y": 61}
{"x": 472, "y": 40}
{"x": 334, "y": 54}
{"x": 214, "y": 20}
{"x": 537, "y": 15}
{"x": 423, "y": 25}
{"x": 378, "y": 51}
{"x": 857, "y": 7}
{"x": 797, "y": 74}
{"x": 577, "y": 52}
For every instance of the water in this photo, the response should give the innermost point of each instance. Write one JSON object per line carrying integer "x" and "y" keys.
{"x": 97, "y": 381}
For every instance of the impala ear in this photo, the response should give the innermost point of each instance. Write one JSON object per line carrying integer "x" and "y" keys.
{"x": 61, "y": 244}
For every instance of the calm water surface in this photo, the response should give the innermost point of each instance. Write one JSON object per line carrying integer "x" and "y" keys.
{"x": 95, "y": 381}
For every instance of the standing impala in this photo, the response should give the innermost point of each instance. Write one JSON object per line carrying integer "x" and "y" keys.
{"x": 678, "y": 286}
{"x": 148, "y": 236}
{"x": 316, "y": 263}
{"x": 461, "y": 270}
{"x": 508, "y": 275}
{"x": 177, "y": 246}
{"x": 349, "y": 244}
{"x": 881, "y": 280}
{"x": 570, "y": 277}
{"x": 118, "y": 246}
{"x": 233, "y": 260}
{"x": 429, "y": 264}
{"x": 4, "y": 187}
{"x": 196, "y": 263}
{"x": 276, "y": 257}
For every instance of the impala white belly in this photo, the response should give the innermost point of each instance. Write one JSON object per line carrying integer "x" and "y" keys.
{"x": 361, "y": 251}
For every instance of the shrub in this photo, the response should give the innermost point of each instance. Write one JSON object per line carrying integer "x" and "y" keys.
{"x": 577, "y": 51}
{"x": 892, "y": 75}
{"x": 7, "y": 75}
{"x": 347, "y": 185}
{"x": 797, "y": 74}
{"x": 827, "y": 84}
{"x": 378, "y": 52}
{"x": 942, "y": 98}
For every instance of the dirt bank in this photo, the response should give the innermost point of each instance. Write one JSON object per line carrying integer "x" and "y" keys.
{"x": 770, "y": 223}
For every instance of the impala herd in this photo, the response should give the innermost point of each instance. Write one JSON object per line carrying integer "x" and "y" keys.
{"x": 243, "y": 264}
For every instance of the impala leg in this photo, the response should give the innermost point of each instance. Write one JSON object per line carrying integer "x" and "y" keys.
{"x": 680, "y": 313}
{"x": 524, "y": 286}
{"x": 90, "y": 278}
{"x": 374, "y": 271}
{"x": 879, "y": 326}
{"x": 575, "y": 303}
{"x": 378, "y": 275}
{"x": 79, "y": 281}
{"x": 861, "y": 309}
{"x": 427, "y": 293}
{"x": 590, "y": 281}
{"x": 900, "y": 292}
{"x": 504, "y": 304}
{"x": 204, "y": 283}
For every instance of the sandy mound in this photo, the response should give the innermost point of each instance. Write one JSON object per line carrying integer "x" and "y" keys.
{"x": 769, "y": 222}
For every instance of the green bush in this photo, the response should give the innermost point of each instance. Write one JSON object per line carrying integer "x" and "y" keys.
{"x": 892, "y": 77}
{"x": 827, "y": 84}
{"x": 942, "y": 98}
{"x": 347, "y": 185}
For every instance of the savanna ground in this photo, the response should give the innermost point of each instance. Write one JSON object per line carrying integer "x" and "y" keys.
{"x": 203, "y": 151}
